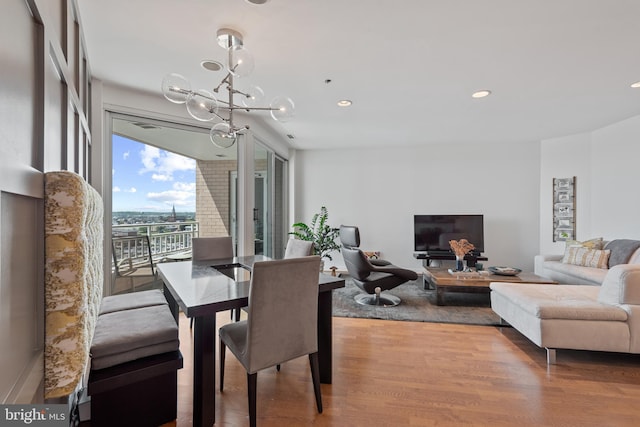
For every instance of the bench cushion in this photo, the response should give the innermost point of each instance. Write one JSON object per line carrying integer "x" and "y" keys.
{"x": 575, "y": 302}
{"x": 132, "y": 300}
{"x": 127, "y": 335}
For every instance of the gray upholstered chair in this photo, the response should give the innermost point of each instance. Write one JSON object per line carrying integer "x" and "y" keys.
{"x": 281, "y": 322}
{"x": 373, "y": 279}
{"x": 211, "y": 247}
{"x": 298, "y": 248}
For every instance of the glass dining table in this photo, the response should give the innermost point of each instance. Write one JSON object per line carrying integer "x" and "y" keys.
{"x": 204, "y": 287}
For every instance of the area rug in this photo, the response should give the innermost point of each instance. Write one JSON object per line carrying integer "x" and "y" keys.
{"x": 418, "y": 305}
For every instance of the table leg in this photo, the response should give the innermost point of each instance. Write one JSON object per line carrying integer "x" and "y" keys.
{"x": 173, "y": 305}
{"x": 204, "y": 373}
{"x": 439, "y": 295}
{"x": 325, "y": 334}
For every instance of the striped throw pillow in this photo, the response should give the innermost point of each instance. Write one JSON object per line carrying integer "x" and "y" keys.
{"x": 586, "y": 257}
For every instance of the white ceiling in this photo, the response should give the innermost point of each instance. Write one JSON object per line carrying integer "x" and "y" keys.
{"x": 555, "y": 67}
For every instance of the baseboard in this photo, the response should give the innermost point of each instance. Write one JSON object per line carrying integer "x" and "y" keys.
{"x": 30, "y": 386}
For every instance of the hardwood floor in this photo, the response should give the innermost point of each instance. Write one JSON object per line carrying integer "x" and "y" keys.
{"x": 393, "y": 373}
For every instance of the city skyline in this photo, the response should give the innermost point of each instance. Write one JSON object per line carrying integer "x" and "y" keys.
{"x": 149, "y": 179}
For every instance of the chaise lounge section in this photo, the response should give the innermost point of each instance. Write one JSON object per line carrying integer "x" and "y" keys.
{"x": 578, "y": 317}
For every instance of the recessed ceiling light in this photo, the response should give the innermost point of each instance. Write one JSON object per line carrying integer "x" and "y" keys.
{"x": 481, "y": 93}
{"x": 344, "y": 103}
{"x": 257, "y": 1}
{"x": 635, "y": 85}
{"x": 211, "y": 65}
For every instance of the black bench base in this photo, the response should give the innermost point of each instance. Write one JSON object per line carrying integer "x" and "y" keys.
{"x": 139, "y": 393}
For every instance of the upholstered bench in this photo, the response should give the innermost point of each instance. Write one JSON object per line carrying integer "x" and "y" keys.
{"x": 122, "y": 349}
{"x": 134, "y": 361}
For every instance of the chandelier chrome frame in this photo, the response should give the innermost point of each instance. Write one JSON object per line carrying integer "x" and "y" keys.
{"x": 205, "y": 106}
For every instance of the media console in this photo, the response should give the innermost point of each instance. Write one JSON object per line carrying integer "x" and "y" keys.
{"x": 426, "y": 257}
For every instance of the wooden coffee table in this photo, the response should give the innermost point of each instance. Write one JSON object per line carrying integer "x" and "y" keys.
{"x": 443, "y": 281}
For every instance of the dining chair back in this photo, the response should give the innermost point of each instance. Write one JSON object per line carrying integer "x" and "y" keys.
{"x": 133, "y": 263}
{"x": 281, "y": 324}
{"x": 203, "y": 248}
{"x": 298, "y": 248}
{"x": 211, "y": 247}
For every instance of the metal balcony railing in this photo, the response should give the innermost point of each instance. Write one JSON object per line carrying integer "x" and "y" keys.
{"x": 165, "y": 239}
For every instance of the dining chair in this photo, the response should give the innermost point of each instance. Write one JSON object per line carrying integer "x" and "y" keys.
{"x": 211, "y": 247}
{"x": 298, "y": 248}
{"x": 203, "y": 248}
{"x": 281, "y": 324}
{"x": 133, "y": 262}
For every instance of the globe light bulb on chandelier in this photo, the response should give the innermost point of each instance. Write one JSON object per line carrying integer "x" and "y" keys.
{"x": 203, "y": 104}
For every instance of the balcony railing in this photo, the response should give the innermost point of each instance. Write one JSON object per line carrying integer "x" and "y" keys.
{"x": 165, "y": 239}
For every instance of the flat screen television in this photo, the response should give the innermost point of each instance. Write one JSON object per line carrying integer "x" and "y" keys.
{"x": 433, "y": 232}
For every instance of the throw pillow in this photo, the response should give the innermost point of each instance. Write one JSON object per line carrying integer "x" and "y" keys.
{"x": 595, "y": 243}
{"x": 621, "y": 250}
{"x": 586, "y": 257}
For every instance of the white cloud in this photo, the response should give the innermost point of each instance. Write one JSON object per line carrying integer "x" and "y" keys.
{"x": 161, "y": 177}
{"x": 185, "y": 186}
{"x": 183, "y": 194}
{"x": 163, "y": 164}
{"x": 125, "y": 155}
{"x": 172, "y": 197}
{"x": 126, "y": 190}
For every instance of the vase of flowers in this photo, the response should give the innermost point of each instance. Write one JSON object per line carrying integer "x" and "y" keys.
{"x": 461, "y": 248}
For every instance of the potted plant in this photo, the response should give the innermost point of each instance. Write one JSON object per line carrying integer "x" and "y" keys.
{"x": 320, "y": 233}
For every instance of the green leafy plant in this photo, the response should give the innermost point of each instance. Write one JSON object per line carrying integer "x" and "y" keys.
{"x": 319, "y": 232}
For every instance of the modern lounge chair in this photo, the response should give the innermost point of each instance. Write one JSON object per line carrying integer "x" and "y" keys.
{"x": 281, "y": 324}
{"x": 373, "y": 279}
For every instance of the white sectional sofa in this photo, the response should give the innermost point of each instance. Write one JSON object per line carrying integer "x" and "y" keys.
{"x": 588, "y": 310}
{"x": 552, "y": 267}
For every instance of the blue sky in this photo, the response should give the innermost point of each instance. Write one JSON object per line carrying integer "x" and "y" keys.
{"x": 149, "y": 179}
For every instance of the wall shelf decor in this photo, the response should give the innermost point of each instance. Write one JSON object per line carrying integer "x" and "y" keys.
{"x": 564, "y": 209}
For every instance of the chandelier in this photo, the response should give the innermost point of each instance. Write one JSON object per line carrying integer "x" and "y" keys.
{"x": 203, "y": 105}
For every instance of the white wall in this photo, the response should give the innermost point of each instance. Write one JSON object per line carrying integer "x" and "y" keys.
{"x": 607, "y": 170}
{"x": 564, "y": 158}
{"x": 615, "y": 192}
{"x": 380, "y": 190}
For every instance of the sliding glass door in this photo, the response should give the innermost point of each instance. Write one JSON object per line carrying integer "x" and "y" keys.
{"x": 269, "y": 202}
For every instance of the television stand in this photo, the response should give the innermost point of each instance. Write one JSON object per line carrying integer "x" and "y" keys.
{"x": 426, "y": 257}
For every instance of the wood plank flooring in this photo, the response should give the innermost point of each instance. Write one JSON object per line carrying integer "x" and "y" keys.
{"x": 393, "y": 373}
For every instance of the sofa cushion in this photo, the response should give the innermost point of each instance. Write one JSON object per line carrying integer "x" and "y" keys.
{"x": 590, "y": 274}
{"x": 621, "y": 285}
{"x": 595, "y": 243}
{"x": 575, "y": 302}
{"x": 621, "y": 250}
{"x": 115, "y": 340}
{"x": 586, "y": 257}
